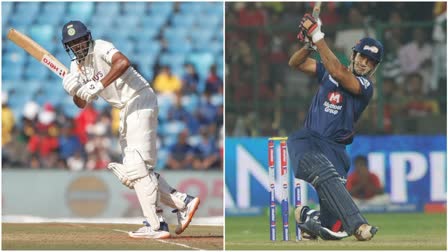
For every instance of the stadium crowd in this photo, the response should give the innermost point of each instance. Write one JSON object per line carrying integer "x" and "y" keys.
{"x": 52, "y": 133}
{"x": 263, "y": 94}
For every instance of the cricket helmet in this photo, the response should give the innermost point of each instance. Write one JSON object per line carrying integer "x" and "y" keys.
{"x": 371, "y": 48}
{"x": 72, "y": 31}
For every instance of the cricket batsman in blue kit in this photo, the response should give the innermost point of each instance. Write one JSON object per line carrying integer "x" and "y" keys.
{"x": 317, "y": 151}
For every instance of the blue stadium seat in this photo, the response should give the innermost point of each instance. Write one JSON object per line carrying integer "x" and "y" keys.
{"x": 42, "y": 34}
{"x": 202, "y": 62}
{"x": 144, "y": 34}
{"x": 217, "y": 100}
{"x": 190, "y": 102}
{"x": 135, "y": 8}
{"x": 81, "y": 11}
{"x": 164, "y": 102}
{"x": 55, "y": 20}
{"x": 191, "y": 7}
{"x": 36, "y": 72}
{"x": 172, "y": 128}
{"x": 7, "y": 86}
{"x": 175, "y": 34}
{"x": 107, "y": 9}
{"x": 209, "y": 22}
{"x": 161, "y": 8}
{"x": 194, "y": 140}
{"x": 21, "y": 19}
{"x": 172, "y": 59}
{"x": 28, "y": 8}
{"x": 201, "y": 35}
{"x": 153, "y": 47}
{"x": 13, "y": 59}
{"x": 162, "y": 157}
{"x": 179, "y": 46}
{"x": 126, "y": 22}
{"x": 153, "y": 21}
{"x": 213, "y": 8}
{"x": 183, "y": 20}
{"x": 100, "y": 22}
{"x": 147, "y": 73}
{"x": 11, "y": 72}
{"x": 170, "y": 140}
{"x": 7, "y": 8}
{"x": 51, "y": 9}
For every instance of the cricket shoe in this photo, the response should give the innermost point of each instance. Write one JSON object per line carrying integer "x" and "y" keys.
{"x": 302, "y": 214}
{"x": 365, "y": 232}
{"x": 185, "y": 215}
{"x": 309, "y": 222}
{"x": 147, "y": 232}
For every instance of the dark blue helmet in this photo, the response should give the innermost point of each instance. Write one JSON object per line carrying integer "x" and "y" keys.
{"x": 371, "y": 48}
{"x": 74, "y": 30}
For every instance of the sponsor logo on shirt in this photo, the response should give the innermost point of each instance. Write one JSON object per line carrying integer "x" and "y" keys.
{"x": 331, "y": 106}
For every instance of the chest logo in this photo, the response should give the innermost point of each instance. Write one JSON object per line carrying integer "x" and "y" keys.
{"x": 334, "y": 98}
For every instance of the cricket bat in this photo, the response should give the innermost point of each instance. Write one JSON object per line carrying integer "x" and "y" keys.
{"x": 316, "y": 10}
{"x": 43, "y": 56}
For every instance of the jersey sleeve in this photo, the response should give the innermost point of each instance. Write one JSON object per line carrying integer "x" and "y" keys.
{"x": 320, "y": 71}
{"x": 105, "y": 49}
{"x": 366, "y": 87}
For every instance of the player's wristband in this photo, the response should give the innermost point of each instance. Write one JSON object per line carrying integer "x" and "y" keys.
{"x": 317, "y": 36}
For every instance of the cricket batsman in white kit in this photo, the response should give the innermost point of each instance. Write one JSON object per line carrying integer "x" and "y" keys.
{"x": 99, "y": 69}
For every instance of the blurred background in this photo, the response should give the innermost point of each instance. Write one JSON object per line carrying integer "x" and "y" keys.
{"x": 177, "y": 47}
{"x": 398, "y": 157}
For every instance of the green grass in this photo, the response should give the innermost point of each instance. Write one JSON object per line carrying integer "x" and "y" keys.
{"x": 398, "y": 231}
{"x": 79, "y": 236}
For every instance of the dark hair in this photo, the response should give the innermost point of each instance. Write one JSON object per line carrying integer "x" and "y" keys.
{"x": 361, "y": 158}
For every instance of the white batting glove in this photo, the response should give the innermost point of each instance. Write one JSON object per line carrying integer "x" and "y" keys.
{"x": 71, "y": 83}
{"x": 312, "y": 27}
{"x": 89, "y": 91}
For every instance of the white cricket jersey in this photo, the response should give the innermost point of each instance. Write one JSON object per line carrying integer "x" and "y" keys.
{"x": 98, "y": 63}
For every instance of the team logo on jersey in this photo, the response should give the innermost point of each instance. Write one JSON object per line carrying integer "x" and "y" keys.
{"x": 334, "y": 97}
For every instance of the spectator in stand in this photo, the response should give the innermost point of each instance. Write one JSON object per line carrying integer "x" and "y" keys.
{"x": 181, "y": 153}
{"x": 251, "y": 15}
{"x": 76, "y": 162}
{"x": 45, "y": 141}
{"x": 8, "y": 121}
{"x": 207, "y": 153}
{"x": 69, "y": 144}
{"x": 361, "y": 183}
{"x": 418, "y": 104}
{"x": 207, "y": 112}
{"x": 85, "y": 119}
{"x": 190, "y": 80}
{"x": 345, "y": 39}
{"x": 416, "y": 56}
{"x": 331, "y": 15}
{"x": 98, "y": 147}
{"x": 393, "y": 101}
{"x": 166, "y": 82}
{"x": 213, "y": 84}
{"x": 177, "y": 111}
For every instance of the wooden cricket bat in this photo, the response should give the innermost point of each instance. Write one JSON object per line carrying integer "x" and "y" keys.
{"x": 316, "y": 9}
{"x": 38, "y": 52}
{"x": 43, "y": 56}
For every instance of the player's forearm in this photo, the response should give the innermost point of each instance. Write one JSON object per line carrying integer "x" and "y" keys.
{"x": 118, "y": 68}
{"x": 330, "y": 61}
{"x": 299, "y": 57}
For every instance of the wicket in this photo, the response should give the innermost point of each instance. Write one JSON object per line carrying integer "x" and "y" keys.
{"x": 284, "y": 175}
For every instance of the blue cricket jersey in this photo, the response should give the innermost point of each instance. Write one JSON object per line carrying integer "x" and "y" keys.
{"x": 334, "y": 110}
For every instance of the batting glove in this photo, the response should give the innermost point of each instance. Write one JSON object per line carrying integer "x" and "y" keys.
{"x": 71, "y": 83}
{"x": 307, "y": 43}
{"x": 312, "y": 27}
{"x": 89, "y": 91}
